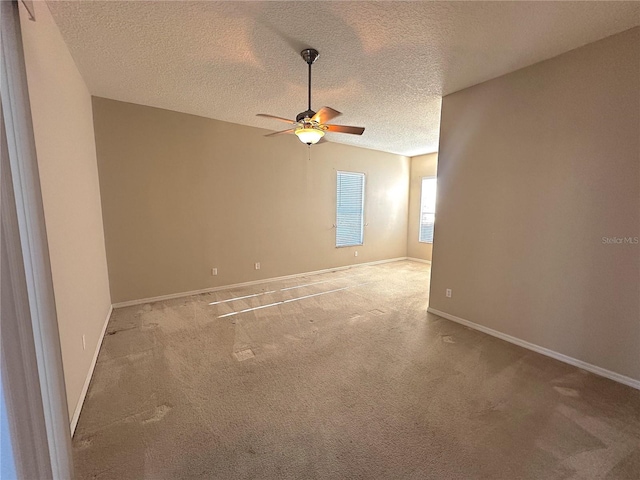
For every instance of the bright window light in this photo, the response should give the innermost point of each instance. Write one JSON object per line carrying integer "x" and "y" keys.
{"x": 282, "y": 302}
{"x": 427, "y": 209}
{"x": 350, "y": 209}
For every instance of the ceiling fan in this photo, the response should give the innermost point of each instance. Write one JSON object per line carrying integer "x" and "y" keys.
{"x": 311, "y": 126}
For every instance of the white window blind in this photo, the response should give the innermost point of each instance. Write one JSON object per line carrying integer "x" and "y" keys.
{"x": 350, "y": 209}
{"x": 427, "y": 209}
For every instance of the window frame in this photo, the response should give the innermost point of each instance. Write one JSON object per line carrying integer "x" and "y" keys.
{"x": 421, "y": 213}
{"x": 362, "y": 208}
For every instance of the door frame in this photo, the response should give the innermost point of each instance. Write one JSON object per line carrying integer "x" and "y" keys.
{"x": 32, "y": 375}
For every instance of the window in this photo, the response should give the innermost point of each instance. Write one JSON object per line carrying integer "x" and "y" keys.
{"x": 349, "y": 209}
{"x": 427, "y": 209}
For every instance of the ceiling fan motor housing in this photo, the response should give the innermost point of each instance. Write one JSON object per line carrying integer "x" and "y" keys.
{"x": 310, "y": 55}
{"x": 302, "y": 115}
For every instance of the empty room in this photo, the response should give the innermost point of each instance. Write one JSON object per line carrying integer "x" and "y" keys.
{"x": 320, "y": 240}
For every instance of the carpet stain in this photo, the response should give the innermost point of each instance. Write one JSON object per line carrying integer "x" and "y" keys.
{"x": 159, "y": 413}
{"x": 243, "y": 355}
{"x": 138, "y": 356}
{"x": 567, "y": 392}
{"x": 113, "y": 332}
{"x": 448, "y": 339}
{"x": 83, "y": 443}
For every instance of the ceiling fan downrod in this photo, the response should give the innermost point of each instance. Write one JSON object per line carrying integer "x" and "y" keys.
{"x": 310, "y": 55}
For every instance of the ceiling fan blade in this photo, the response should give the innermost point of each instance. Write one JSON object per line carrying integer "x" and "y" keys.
{"x": 325, "y": 114}
{"x": 273, "y": 117}
{"x": 291, "y": 130}
{"x": 345, "y": 129}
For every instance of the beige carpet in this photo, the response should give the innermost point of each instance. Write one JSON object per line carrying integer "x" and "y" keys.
{"x": 341, "y": 376}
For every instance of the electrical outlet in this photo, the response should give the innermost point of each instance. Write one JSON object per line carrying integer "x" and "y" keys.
{"x": 214, "y": 272}
{"x": 355, "y": 253}
{"x": 84, "y": 343}
{"x": 448, "y": 293}
{"x": 257, "y": 265}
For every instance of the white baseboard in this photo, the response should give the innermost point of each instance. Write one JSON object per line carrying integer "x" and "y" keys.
{"x": 617, "y": 377}
{"x": 85, "y": 387}
{"x": 420, "y": 260}
{"x": 170, "y": 296}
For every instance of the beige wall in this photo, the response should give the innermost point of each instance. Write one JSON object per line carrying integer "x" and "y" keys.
{"x": 422, "y": 166}
{"x": 63, "y": 127}
{"x": 535, "y": 168}
{"x": 182, "y": 194}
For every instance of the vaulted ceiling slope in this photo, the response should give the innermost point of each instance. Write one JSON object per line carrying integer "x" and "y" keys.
{"x": 385, "y": 65}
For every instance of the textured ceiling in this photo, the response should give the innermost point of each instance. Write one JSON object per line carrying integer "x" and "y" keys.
{"x": 385, "y": 65}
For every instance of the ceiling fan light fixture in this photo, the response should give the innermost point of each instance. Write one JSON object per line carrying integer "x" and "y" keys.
{"x": 309, "y": 135}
